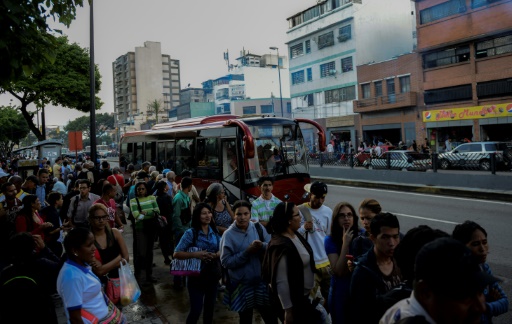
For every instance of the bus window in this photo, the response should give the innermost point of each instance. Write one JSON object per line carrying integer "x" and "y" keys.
{"x": 229, "y": 161}
{"x": 150, "y": 152}
{"x": 138, "y": 159}
{"x": 185, "y": 158}
{"x": 169, "y": 155}
{"x": 161, "y": 156}
{"x": 208, "y": 159}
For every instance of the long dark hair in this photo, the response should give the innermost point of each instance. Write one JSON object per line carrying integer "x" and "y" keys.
{"x": 75, "y": 239}
{"x": 196, "y": 217}
{"x": 336, "y": 229}
{"x": 283, "y": 213}
{"x": 26, "y": 211}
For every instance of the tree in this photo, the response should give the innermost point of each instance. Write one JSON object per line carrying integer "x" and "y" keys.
{"x": 64, "y": 83}
{"x": 26, "y": 41}
{"x": 104, "y": 122}
{"x": 155, "y": 107}
{"x": 13, "y": 128}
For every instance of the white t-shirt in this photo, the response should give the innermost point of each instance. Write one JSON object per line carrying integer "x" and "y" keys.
{"x": 79, "y": 288}
{"x": 321, "y": 228}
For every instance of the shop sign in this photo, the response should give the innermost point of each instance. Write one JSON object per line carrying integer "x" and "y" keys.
{"x": 477, "y": 112}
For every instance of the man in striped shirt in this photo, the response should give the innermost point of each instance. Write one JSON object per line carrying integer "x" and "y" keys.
{"x": 263, "y": 207}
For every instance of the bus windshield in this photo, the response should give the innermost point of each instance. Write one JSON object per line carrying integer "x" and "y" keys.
{"x": 279, "y": 151}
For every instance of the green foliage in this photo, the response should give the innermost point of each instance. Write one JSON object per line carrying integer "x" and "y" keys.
{"x": 155, "y": 107}
{"x": 13, "y": 128}
{"x": 104, "y": 122}
{"x": 26, "y": 41}
{"x": 64, "y": 83}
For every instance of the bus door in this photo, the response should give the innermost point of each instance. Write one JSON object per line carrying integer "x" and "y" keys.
{"x": 232, "y": 168}
{"x": 208, "y": 168}
{"x": 165, "y": 155}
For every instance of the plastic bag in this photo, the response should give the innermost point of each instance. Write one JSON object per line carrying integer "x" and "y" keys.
{"x": 130, "y": 290}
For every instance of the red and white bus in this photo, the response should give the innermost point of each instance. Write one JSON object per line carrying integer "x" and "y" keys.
{"x": 228, "y": 149}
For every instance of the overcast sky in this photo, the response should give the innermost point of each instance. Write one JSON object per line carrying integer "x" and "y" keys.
{"x": 196, "y": 32}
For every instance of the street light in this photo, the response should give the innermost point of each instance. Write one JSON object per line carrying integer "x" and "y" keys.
{"x": 279, "y": 71}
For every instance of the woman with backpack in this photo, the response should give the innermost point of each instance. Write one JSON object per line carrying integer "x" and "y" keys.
{"x": 202, "y": 290}
{"x": 242, "y": 248}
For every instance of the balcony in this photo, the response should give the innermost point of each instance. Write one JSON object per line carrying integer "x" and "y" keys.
{"x": 400, "y": 100}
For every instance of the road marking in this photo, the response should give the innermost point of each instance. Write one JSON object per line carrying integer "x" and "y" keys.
{"x": 426, "y": 218}
{"x": 426, "y": 194}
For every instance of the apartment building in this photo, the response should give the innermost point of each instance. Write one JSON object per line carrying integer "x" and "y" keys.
{"x": 465, "y": 48}
{"x": 327, "y": 41}
{"x": 141, "y": 77}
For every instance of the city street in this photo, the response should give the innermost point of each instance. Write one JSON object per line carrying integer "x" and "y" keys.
{"x": 412, "y": 210}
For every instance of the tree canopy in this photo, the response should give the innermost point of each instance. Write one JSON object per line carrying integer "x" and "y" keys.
{"x": 13, "y": 128}
{"x": 26, "y": 40}
{"x": 63, "y": 83}
{"x": 104, "y": 122}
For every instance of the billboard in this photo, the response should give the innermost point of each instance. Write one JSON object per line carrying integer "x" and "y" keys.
{"x": 476, "y": 112}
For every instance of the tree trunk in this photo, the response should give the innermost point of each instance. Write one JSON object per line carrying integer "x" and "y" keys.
{"x": 30, "y": 122}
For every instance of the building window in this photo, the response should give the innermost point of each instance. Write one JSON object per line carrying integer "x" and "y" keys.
{"x": 390, "y": 84}
{"x": 248, "y": 110}
{"x": 492, "y": 47}
{"x": 481, "y": 3}
{"x": 495, "y": 88}
{"x": 448, "y": 94}
{"x": 298, "y": 77}
{"x": 365, "y": 90}
{"x": 327, "y": 69}
{"x": 309, "y": 99}
{"x": 346, "y": 64}
{"x": 442, "y": 10}
{"x": 267, "y": 109}
{"x": 446, "y": 57}
{"x": 345, "y": 33}
{"x": 308, "y": 46}
{"x": 378, "y": 88}
{"x": 289, "y": 107}
{"x": 326, "y": 40}
{"x": 340, "y": 94}
{"x": 296, "y": 50}
{"x": 405, "y": 84}
{"x": 310, "y": 74}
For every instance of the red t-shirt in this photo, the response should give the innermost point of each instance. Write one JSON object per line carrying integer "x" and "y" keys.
{"x": 22, "y": 226}
{"x": 119, "y": 177}
{"x": 111, "y": 210}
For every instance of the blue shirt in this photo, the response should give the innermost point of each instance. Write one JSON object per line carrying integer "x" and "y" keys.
{"x": 206, "y": 242}
{"x": 41, "y": 194}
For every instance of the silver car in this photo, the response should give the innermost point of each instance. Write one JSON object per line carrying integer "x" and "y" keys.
{"x": 475, "y": 155}
{"x": 400, "y": 160}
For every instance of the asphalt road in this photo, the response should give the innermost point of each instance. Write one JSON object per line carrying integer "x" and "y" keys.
{"x": 443, "y": 212}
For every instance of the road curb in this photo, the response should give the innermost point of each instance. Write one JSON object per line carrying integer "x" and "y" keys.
{"x": 433, "y": 190}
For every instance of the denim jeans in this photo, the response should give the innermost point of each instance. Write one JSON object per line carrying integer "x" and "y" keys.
{"x": 201, "y": 294}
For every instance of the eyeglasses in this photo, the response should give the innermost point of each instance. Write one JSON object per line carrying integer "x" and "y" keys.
{"x": 98, "y": 218}
{"x": 348, "y": 215}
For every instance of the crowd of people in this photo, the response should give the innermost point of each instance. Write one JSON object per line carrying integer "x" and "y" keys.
{"x": 304, "y": 263}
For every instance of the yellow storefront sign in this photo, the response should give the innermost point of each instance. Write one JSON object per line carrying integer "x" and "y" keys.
{"x": 477, "y": 112}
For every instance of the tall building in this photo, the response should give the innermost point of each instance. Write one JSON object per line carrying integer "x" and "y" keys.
{"x": 328, "y": 40}
{"x": 141, "y": 77}
{"x": 466, "y": 59}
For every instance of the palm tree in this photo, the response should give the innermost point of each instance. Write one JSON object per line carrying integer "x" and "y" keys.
{"x": 155, "y": 107}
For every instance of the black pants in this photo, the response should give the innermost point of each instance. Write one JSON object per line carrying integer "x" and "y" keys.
{"x": 268, "y": 316}
{"x": 166, "y": 242}
{"x": 143, "y": 248}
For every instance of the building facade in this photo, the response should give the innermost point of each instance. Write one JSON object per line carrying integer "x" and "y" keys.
{"x": 141, "y": 77}
{"x": 466, "y": 58}
{"x": 327, "y": 41}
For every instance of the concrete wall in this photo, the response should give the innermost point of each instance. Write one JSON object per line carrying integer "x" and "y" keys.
{"x": 148, "y": 70}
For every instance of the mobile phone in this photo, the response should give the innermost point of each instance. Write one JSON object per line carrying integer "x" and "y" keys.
{"x": 349, "y": 257}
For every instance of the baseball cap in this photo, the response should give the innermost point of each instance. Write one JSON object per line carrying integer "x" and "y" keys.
{"x": 316, "y": 188}
{"x": 164, "y": 172}
{"x": 3, "y": 174}
{"x": 450, "y": 269}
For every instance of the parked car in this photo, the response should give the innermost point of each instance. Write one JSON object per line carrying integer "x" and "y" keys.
{"x": 400, "y": 160}
{"x": 476, "y": 155}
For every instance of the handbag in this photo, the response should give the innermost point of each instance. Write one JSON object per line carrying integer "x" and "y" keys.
{"x": 113, "y": 289}
{"x": 129, "y": 288}
{"x": 160, "y": 221}
{"x": 187, "y": 267}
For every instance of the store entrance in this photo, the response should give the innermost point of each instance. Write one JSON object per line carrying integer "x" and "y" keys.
{"x": 496, "y": 132}
{"x": 457, "y": 135}
{"x": 393, "y": 135}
